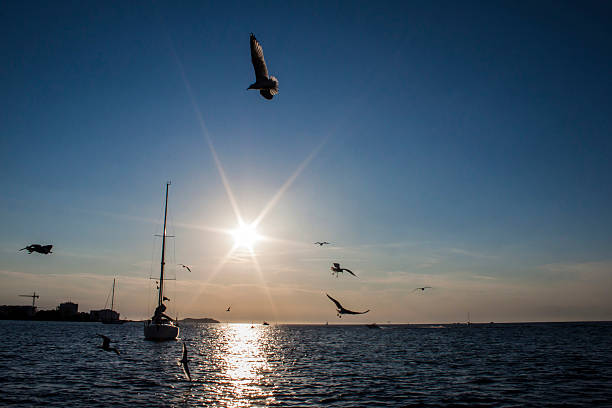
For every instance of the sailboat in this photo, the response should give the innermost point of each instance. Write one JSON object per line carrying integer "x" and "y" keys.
{"x": 161, "y": 326}
{"x": 112, "y": 317}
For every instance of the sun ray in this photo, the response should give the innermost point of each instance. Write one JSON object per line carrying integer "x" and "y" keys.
{"x": 264, "y": 283}
{"x": 289, "y": 182}
{"x": 206, "y": 135}
{"x": 214, "y": 273}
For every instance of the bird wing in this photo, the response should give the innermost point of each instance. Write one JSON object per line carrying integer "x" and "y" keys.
{"x": 188, "y": 268}
{"x": 23, "y": 248}
{"x": 349, "y": 271}
{"x": 257, "y": 58}
{"x": 186, "y": 370}
{"x": 338, "y": 305}
{"x": 106, "y": 341}
{"x": 346, "y": 311}
{"x": 184, "y": 363}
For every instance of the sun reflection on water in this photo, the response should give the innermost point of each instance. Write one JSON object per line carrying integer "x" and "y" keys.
{"x": 244, "y": 364}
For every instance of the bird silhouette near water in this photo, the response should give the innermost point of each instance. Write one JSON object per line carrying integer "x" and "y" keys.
{"x": 422, "y": 289}
{"x": 321, "y": 243}
{"x": 184, "y": 363}
{"x": 41, "y": 249}
{"x": 341, "y": 310}
{"x": 336, "y": 269}
{"x": 266, "y": 84}
{"x": 106, "y": 344}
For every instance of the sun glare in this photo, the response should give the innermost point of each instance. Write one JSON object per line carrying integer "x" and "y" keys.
{"x": 245, "y": 236}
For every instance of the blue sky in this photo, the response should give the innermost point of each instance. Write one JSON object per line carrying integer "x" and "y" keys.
{"x": 465, "y": 146}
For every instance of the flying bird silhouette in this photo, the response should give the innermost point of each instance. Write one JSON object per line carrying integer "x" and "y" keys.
{"x": 341, "y": 310}
{"x": 183, "y": 362}
{"x": 41, "y": 249}
{"x": 228, "y": 308}
{"x": 186, "y": 267}
{"x": 321, "y": 243}
{"x": 336, "y": 269}
{"x": 106, "y": 344}
{"x": 422, "y": 289}
{"x": 267, "y": 85}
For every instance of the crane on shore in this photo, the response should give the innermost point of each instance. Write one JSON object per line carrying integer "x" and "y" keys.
{"x": 34, "y": 296}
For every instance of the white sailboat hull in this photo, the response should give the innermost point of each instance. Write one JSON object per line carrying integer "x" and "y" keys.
{"x": 160, "y": 332}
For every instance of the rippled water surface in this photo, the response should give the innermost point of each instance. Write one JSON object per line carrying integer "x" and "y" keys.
{"x": 57, "y": 364}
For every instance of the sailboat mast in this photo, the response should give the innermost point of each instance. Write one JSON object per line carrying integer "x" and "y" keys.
{"x": 163, "y": 254}
{"x": 113, "y": 297}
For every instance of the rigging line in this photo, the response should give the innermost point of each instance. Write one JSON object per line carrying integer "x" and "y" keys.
{"x": 107, "y": 296}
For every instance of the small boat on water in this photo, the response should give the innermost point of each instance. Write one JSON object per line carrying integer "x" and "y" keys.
{"x": 161, "y": 326}
{"x": 266, "y": 323}
{"x": 112, "y": 317}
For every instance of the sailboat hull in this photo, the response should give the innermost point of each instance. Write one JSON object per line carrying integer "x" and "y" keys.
{"x": 160, "y": 332}
{"x": 113, "y": 321}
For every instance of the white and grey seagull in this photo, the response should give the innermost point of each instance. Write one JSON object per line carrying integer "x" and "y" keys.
{"x": 341, "y": 310}
{"x": 266, "y": 84}
{"x": 183, "y": 362}
{"x": 336, "y": 269}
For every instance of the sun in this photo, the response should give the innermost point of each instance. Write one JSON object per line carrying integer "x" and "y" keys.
{"x": 245, "y": 236}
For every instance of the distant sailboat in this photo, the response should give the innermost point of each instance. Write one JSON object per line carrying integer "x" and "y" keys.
{"x": 161, "y": 326}
{"x": 112, "y": 317}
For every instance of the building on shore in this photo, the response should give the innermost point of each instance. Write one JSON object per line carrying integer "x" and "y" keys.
{"x": 68, "y": 309}
{"x": 17, "y": 312}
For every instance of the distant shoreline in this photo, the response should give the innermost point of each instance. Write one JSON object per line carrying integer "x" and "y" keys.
{"x": 419, "y": 325}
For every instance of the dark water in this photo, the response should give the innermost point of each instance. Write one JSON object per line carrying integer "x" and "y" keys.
{"x": 56, "y": 364}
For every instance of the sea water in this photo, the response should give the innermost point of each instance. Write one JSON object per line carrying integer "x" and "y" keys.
{"x": 59, "y": 364}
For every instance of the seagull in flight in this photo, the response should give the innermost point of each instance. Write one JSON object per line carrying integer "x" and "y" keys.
{"x": 336, "y": 269}
{"x": 321, "y": 243}
{"x": 228, "y": 308}
{"x": 422, "y": 289}
{"x": 106, "y": 344}
{"x": 186, "y": 267}
{"x": 183, "y": 362}
{"x": 267, "y": 85}
{"x": 341, "y": 310}
{"x": 41, "y": 249}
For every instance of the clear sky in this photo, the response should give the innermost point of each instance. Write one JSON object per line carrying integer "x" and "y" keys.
{"x": 461, "y": 146}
